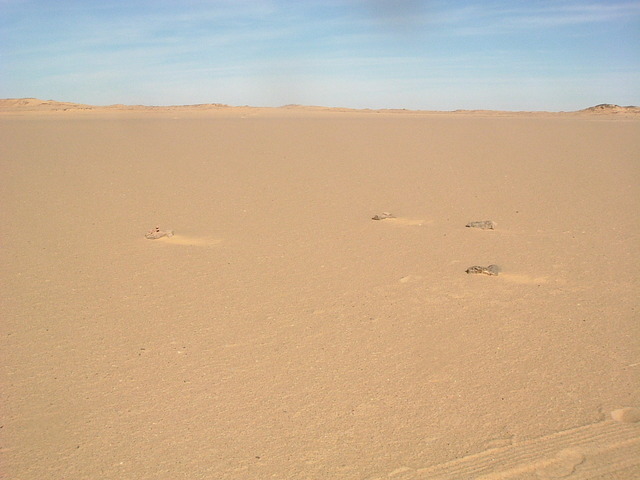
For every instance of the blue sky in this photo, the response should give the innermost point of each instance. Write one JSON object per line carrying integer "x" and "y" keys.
{"x": 415, "y": 54}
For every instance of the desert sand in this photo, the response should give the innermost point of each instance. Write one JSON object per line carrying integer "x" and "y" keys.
{"x": 280, "y": 332}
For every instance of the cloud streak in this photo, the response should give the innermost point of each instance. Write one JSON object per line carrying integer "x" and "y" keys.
{"x": 212, "y": 50}
{"x": 501, "y": 18}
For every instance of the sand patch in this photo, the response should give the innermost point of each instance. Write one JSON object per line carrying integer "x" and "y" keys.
{"x": 626, "y": 415}
{"x": 357, "y": 369}
{"x": 191, "y": 241}
{"x": 563, "y": 464}
{"x": 410, "y": 278}
{"x": 523, "y": 279}
{"x": 408, "y": 222}
{"x": 590, "y": 451}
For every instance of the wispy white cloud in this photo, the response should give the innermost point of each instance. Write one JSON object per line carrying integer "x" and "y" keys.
{"x": 500, "y": 18}
{"x": 214, "y": 50}
{"x": 576, "y": 14}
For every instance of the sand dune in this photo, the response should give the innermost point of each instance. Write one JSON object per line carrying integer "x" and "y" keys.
{"x": 34, "y": 105}
{"x": 283, "y": 333}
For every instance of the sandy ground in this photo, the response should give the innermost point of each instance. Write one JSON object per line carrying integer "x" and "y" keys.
{"x": 281, "y": 332}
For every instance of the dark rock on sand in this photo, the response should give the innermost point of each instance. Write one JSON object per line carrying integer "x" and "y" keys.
{"x": 383, "y": 215}
{"x": 490, "y": 270}
{"x": 484, "y": 225}
{"x": 157, "y": 233}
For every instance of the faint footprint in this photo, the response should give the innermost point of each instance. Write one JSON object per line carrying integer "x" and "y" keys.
{"x": 193, "y": 241}
{"x": 410, "y": 278}
{"x": 626, "y": 415}
{"x": 499, "y": 442}
{"x": 590, "y": 451}
{"x": 401, "y": 472}
{"x": 563, "y": 465}
{"x": 408, "y": 222}
{"x": 524, "y": 279}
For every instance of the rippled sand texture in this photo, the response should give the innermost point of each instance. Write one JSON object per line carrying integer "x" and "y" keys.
{"x": 283, "y": 333}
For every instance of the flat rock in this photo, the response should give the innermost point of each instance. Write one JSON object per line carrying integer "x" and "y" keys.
{"x": 383, "y": 215}
{"x": 490, "y": 270}
{"x": 483, "y": 225}
{"x": 156, "y": 233}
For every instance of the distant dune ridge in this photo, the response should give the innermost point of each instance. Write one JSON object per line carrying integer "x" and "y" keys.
{"x": 9, "y": 105}
{"x": 35, "y": 104}
{"x": 611, "y": 108}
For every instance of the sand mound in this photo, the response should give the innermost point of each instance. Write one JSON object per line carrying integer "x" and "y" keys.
{"x": 36, "y": 105}
{"x": 24, "y": 105}
{"x": 609, "y": 108}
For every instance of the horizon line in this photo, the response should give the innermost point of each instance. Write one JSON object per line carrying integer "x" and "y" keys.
{"x": 35, "y": 102}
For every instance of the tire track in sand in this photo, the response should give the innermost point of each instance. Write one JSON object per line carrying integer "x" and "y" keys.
{"x": 607, "y": 449}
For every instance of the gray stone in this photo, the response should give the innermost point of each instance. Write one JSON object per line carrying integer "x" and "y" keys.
{"x": 383, "y": 215}
{"x": 484, "y": 225}
{"x": 490, "y": 270}
{"x": 157, "y": 233}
